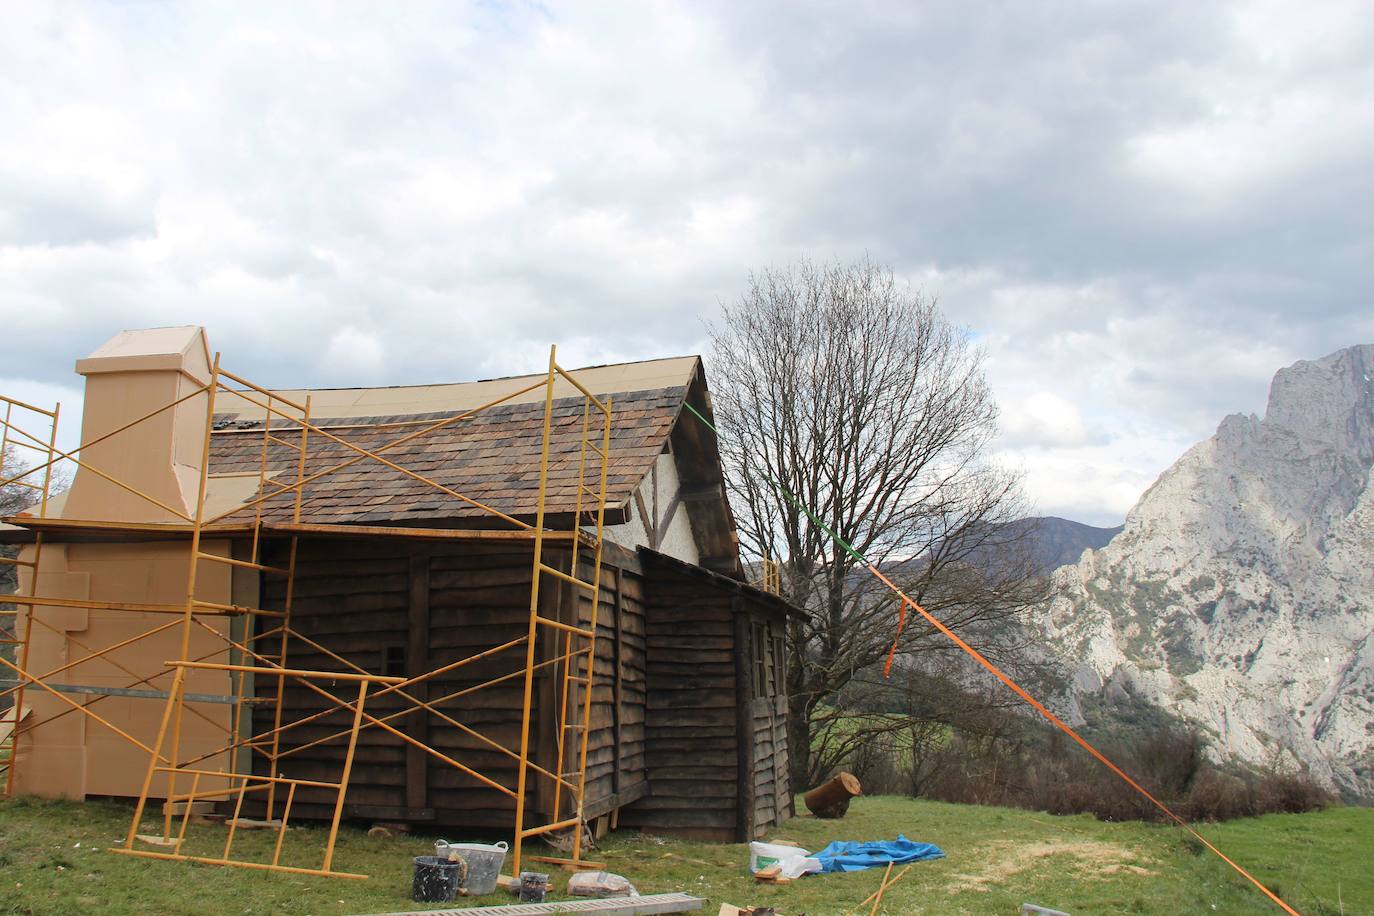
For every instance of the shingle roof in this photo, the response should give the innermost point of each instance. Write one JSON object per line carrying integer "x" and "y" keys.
{"x": 492, "y": 457}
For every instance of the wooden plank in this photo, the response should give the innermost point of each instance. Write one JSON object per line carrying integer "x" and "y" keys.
{"x": 387, "y": 812}
{"x": 444, "y": 534}
{"x": 668, "y": 513}
{"x": 696, "y": 768}
{"x": 697, "y": 696}
{"x": 688, "y": 722}
{"x": 614, "y": 906}
{"x": 683, "y": 812}
{"x": 650, "y": 529}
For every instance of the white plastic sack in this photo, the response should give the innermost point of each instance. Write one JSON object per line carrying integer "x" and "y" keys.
{"x": 793, "y": 861}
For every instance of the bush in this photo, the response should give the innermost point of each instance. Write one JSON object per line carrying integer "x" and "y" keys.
{"x": 1046, "y": 772}
{"x": 875, "y": 764}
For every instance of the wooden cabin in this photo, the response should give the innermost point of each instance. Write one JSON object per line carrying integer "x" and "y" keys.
{"x": 688, "y": 728}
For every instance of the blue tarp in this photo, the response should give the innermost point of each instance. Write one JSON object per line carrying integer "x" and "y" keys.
{"x": 850, "y": 856}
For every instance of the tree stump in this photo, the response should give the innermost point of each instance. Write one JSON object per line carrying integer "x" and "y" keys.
{"x": 831, "y": 799}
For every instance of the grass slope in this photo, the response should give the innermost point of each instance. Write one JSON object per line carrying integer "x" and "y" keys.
{"x": 996, "y": 859}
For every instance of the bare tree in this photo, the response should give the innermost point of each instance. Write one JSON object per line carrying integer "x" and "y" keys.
{"x": 12, "y": 499}
{"x": 855, "y": 395}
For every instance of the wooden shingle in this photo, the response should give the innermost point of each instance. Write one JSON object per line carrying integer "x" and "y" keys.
{"x": 491, "y": 457}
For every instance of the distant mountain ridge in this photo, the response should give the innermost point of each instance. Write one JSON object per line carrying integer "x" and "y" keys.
{"x": 1239, "y": 593}
{"x": 1055, "y": 542}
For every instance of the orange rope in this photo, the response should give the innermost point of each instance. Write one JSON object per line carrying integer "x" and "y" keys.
{"x": 1058, "y": 723}
{"x": 901, "y": 625}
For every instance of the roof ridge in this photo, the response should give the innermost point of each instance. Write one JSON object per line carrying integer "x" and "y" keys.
{"x": 228, "y": 421}
{"x": 482, "y": 381}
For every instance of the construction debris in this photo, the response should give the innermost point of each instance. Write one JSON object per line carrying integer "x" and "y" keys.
{"x": 600, "y": 884}
{"x": 843, "y": 855}
{"x": 877, "y": 896}
{"x": 771, "y": 875}
{"x": 615, "y": 906}
{"x": 534, "y": 886}
{"x": 155, "y": 839}
{"x": 246, "y": 823}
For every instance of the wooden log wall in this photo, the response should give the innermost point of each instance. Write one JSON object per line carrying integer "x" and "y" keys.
{"x": 406, "y": 608}
{"x": 772, "y": 793}
{"x": 717, "y": 738}
{"x": 353, "y": 598}
{"x": 692, "y": 712}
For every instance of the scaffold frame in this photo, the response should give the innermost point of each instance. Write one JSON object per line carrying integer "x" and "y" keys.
{"x": 262, "y": 653}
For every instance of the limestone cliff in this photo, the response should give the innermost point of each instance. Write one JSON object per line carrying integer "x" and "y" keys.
{"x": 1240, "y": 594}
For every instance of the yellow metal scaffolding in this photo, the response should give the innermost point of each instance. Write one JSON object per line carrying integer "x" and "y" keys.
{"x": 14, "y": 634}
{"x": 262, "y": 653}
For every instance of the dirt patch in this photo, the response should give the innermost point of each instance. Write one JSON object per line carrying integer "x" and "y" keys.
{"x": 1003, "y": 860}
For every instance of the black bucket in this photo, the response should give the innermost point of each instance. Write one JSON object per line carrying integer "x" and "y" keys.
{"x": 436, "y": 880}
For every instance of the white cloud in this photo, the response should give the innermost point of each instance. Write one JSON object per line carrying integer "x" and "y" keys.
{"x": 353, "y": 354}
{"x": 1141, "y": 211}
{"x": 26, "y": 426}
{"x": 1042, "y": 419}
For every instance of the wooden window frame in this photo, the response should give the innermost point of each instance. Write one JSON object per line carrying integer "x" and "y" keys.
{"x": 758, "y": 637}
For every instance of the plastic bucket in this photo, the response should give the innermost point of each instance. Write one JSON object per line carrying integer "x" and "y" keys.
{"x": 483, "y": 860}
{"x": 436, "y": 880}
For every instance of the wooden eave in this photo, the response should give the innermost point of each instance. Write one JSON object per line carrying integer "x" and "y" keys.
{"x": 653, "y": 558}
{"x": 702, "y": 483}
{"x": 24, "y": 530}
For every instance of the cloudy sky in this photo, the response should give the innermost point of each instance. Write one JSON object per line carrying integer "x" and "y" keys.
{"x": 1141, "y": 212}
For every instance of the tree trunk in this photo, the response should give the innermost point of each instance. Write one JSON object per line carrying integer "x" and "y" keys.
{"x": 831, "y": 799}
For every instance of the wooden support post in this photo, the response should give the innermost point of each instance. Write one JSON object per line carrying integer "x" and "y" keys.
{"x": 744, "y": 721}
{"x": 417, "y": 662}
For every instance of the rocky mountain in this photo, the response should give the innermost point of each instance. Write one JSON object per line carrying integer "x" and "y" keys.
{"x": 1240, "y": 593}
{"x": 1054, "y": 541}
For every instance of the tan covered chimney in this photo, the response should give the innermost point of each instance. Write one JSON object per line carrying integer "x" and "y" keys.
{"x": 130, "y": 375}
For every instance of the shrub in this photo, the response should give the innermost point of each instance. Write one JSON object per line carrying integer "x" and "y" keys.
{"x": 1045, "y": 772}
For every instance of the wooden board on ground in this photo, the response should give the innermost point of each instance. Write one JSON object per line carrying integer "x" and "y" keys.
{"x": 771, "y": 875}
{"x": 617, "y": 906}
{"x": 245, "y": 823}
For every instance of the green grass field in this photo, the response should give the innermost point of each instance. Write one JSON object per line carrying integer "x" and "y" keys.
{"x": 53, "y": 859}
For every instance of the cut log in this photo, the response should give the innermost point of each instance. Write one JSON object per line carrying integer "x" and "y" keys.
{"x": 831, "y": 799}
